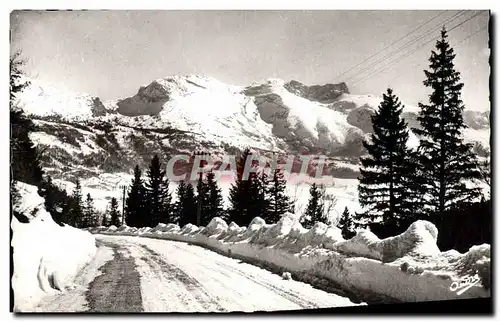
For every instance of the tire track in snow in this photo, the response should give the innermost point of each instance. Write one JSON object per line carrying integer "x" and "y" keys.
{"x": 178, "y": 277}
{"x": 173, "y": 273}
{"x": 289, "y": 295}
{"x": 117, "y": 289}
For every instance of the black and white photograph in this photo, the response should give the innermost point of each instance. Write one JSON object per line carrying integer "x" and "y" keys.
{"x": 250, "y": 161}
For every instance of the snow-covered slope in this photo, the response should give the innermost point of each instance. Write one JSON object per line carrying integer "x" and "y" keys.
{"x": 43, "y": 100}
{"x": 46, "y": 256}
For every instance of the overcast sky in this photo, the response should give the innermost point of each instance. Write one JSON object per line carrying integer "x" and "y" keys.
{"x": 110, "y": 54}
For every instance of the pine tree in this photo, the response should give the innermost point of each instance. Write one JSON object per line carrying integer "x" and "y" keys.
{"x": 89, "y": 214}
{"x": 345, "y": 224}
{"x": 180, "y": 192}
{"x": 76, "y": 218}
{"x": 382, "y": 189}
{"x": 105, "y": 219}
{"x": 314, "y": 211}
{"x": 260, "y": 196}
{"x": 56, "y": 200}
{"x": 157, "y": 195}
{"x": 135, "y": 203}
{"x": 238, "y": 193}
{"x": 114, "y": 213}
{"x": 279, "y": 202}
{"x": 202, "y": 195}
{"x": 446, "y": 161}
{"x": 245, "y": 196}
{"x": 187, "y": 206}
{"x": 25, "y": 159}
{"x": 214, "y": 202}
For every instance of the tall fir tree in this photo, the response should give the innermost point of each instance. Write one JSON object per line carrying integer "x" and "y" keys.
{"x": 446, "y": 161}
{"x": 246, "y": 194}
{"x": 105, "y": 218}
{"x": 260, "y": 195}
{"x": 346, "y": 224}
{"x": 382, "y": 185}
{"x": 315, "y": 208}
{"x": 202, "y": 195}
{"x": 25, "y": 159}
{"x": 214, "y": 202}
{"x": 135, "y": 203}
{"x": 157, "y": 195}
{"x": 279, "y": 201}
{"x": 57, "y": 201}
{"x": 180, "y": 192}
{"x": 186, "y": 204}
{"x": 89, "y": 213}
{"x": 114, "y": 213}
{"x": 76, "y": 217}
{"x": 239, "y": 193}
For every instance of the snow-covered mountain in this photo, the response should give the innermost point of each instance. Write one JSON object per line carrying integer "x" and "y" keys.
{"x": 100, "y": 142}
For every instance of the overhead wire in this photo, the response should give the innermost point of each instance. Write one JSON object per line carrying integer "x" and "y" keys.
{"x": 402, "y": 57}
{"x": 407, "y": 45}
{"x": 391, "y": 44}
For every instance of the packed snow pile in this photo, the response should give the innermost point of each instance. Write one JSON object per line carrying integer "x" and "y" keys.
{"x": 46, "y": 256}
{"x": 407, "y": 267}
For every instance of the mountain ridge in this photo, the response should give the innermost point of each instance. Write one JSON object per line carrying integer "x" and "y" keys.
{"x": 100, "y": 142}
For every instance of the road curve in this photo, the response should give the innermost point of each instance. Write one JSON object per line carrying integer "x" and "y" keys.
{"x": 150, "y": 275}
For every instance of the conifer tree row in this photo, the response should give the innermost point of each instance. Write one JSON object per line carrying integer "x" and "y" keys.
{"x": 399, "y": 185}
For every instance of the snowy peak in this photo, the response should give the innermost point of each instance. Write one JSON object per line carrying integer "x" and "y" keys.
{"x": 327, "y": 93}
{"x": 150, "y": 98}
{"x": 42, "y": 100}
{"x": 272, "y": 114}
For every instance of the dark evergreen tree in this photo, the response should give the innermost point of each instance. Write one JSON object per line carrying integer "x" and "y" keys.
{"x": 239, "y": 193}
{"x": 345, "y": 224}
{"x": 260, "y": 196}
{"x": 186, "y": 205}
{"x": 315, "y": 208}
{"x": 89, "y": 214}
{"x": 446, "y": 161}
{"x": 157, "y": 195}
{"x": 105, "y": 219}
{"x": 246, "y": 195}
{"x": 279, "y": 201}
{"x": 383, "y": 184}
{"x": 76, "y": 206}
{"x": 180, "y": 192}
{"x": 57, "y": 201}
{"x": 135, "y": 202}
{"x": 114, "y": 213}
{"x": 214, "y": 202}
{"x": 202, "y": 196}
{"x": 17, "y": 83}
{"x": 25, "y": 159}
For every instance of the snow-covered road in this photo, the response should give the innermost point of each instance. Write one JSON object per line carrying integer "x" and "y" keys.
{"x": 150, "y": 275}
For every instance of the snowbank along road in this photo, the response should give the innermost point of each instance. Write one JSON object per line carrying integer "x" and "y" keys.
{"x": 133, "y": 274}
